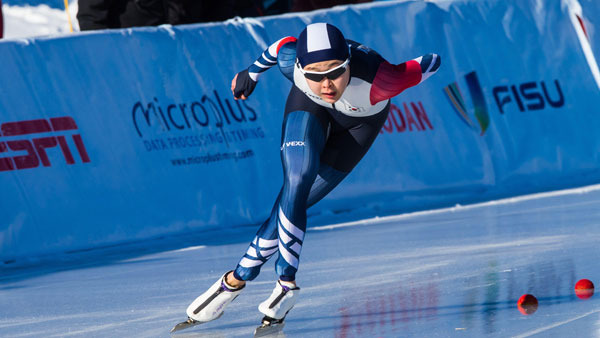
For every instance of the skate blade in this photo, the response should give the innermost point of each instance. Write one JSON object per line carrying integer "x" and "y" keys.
{"x": 266, "y": 330}
{"x": 184, "y": 325}
{"x": 190, "y": 323}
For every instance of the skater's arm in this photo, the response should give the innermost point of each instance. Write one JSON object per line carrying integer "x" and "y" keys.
{"x": 391, "y": 80}
{"x": 244, "y": 82}
{"x": 268, "y": 58}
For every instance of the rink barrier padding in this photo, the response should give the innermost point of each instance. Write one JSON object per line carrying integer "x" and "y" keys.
{"x": 126, "y": 135}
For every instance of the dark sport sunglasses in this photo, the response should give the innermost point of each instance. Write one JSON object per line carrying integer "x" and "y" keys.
{"x": 331, "y": 74}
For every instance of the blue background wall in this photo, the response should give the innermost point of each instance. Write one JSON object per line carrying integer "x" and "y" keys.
{"x": 169, "y": 150}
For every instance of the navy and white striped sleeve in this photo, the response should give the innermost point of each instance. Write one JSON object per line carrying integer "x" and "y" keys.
{"x": 268, "y": 58}
{"x": 429, "y": 65}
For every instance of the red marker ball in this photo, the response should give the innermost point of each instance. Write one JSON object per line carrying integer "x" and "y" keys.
{"x": 584, "y": 288}
{"x": 527, "y": 304}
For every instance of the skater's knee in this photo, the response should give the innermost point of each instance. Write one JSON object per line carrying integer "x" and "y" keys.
{"x": 298, "y": 166}
{"x": 299, "y": 180}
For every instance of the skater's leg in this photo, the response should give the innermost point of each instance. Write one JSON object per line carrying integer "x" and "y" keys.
{"x": 303, "y": 142}
{"x": 263, "y": 246}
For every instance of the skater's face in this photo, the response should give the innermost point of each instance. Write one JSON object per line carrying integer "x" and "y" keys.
{"x": 328, "y": 79}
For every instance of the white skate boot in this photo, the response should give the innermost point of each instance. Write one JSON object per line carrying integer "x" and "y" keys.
{"x": 280, "y": 302}
{"x": 211, "y": 304}
{"x": 276, "y": 307}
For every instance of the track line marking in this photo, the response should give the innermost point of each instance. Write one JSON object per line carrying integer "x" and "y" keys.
{"x": 542, "y": 329}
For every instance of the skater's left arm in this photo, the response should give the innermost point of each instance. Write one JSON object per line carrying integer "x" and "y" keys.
{"x": 391, "y": 80}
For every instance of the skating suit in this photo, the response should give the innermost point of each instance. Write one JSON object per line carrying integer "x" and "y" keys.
{"x": 322, "y": 142}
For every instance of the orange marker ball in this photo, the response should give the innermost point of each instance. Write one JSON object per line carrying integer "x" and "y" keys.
{"x": 584, "y": 288}
{"x": 527, "y": 304}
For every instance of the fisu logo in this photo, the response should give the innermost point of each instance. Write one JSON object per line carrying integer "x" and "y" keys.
{"x": 479, "y": 105}
{"x": 527, "y": 96}
{"x": 292, "y": 144}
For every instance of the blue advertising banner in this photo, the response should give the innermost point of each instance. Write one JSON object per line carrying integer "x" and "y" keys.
{"x": 125, "y": 135}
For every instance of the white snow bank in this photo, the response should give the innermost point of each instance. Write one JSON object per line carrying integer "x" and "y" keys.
{"x": 34, "y": 21}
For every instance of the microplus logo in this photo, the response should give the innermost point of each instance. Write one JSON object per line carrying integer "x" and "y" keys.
{"x": 527, "y": 96}
{"x": 209, "y": 121}
{"x": 197, "y": 114}
{"x": 23, "y": 136}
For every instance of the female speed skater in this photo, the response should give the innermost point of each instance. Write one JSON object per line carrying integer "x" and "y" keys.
{"x": 338, "y": 103}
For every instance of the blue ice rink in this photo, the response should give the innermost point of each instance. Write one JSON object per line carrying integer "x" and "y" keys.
{"x": 456, "y": 272}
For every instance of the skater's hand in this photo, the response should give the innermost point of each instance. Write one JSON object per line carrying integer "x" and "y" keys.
{"x": 233, "y": 83}
{"x": 242, "y": 85}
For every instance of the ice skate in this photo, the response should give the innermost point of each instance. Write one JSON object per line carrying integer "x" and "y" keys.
{"x": 269, "y": 327}
{"x": 275, "y": 308}
{"x": 280, "y": 302}
{"x": 210, "y": 305}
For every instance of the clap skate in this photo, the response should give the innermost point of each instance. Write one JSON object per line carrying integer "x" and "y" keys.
{"x": 210, "y": 305}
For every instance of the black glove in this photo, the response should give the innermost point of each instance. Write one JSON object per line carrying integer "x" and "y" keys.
{"x": 243, "y": 85}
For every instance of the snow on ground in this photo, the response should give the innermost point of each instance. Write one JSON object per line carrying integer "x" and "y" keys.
{"x": 34, "y": 21}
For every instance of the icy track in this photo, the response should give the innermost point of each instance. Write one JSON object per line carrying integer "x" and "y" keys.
{"x": 455, "y": 272}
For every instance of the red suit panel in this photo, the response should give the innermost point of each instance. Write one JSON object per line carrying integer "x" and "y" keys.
{"x": 391, "y": 80}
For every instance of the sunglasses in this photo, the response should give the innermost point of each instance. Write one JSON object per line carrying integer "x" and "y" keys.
{"x": 331, "y": 74}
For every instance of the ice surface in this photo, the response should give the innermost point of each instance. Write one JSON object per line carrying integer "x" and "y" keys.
{"x": 445, "y": 273}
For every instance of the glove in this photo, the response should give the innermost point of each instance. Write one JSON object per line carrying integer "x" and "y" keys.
{"x": 244, "y": 85}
